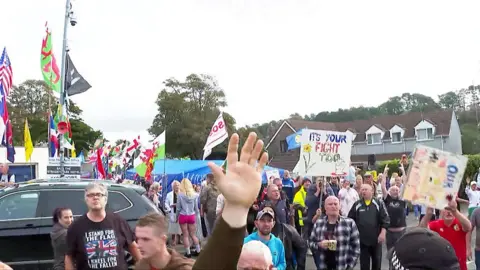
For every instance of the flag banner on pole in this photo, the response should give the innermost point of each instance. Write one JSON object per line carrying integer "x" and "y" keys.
{"x": 217, "y": 135}
{"x": 48, "y": 64}
{"x": 74, "y": 82}
{"x": 28, "y": 144}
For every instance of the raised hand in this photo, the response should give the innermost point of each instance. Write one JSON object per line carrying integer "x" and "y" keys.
{"x": 243, "y": 179}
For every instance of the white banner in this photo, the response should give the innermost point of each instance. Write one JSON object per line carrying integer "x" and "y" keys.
{"x": 434, "y": 177}
{"x": 324, "y": 153}
{"x": 217, "y": 135}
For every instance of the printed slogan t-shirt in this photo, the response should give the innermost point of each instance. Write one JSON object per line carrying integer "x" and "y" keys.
{"x": 99, "y": 245}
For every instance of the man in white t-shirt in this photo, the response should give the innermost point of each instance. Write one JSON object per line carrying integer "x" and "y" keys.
{"x": 6, "y": 178}
{"x": 347, "y": 196}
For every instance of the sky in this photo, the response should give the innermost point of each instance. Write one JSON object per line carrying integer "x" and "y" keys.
{"x": 287, "y": 56}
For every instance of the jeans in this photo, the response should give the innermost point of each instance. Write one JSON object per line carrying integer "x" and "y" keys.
{"x": 477, "y": 259}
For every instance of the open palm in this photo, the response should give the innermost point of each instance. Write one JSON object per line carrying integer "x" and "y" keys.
{"x": 243, "y": 179}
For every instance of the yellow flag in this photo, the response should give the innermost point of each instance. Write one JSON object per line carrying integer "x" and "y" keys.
{"x": 27, "y": 142}
{"x": 73, "y": 153}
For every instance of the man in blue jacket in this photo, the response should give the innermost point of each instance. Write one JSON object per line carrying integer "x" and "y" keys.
{"x": 264, "y": 224}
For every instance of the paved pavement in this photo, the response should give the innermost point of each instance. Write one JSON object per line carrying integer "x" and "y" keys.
{"x": 411, "y": 222}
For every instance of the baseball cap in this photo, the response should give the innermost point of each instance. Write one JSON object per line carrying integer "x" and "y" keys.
{"x": 422, "y": 249}
{"x": 264, "y": 212}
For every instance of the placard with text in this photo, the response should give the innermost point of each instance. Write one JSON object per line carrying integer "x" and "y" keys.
{"x": 324, "y": 153}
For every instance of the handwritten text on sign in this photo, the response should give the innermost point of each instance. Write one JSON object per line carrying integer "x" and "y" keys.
{"x": 434, "y": 177}
{"x": 324, "y": 153}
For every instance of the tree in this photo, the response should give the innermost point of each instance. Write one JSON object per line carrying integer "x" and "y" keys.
{"x": 187, "y": 111}
{"x": 32, "y": 100}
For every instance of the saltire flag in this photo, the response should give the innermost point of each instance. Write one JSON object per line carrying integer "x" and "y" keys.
{"x": 48, "y": 64}
{"x": 52, "y": 134}
{"x": 6, "y": 131}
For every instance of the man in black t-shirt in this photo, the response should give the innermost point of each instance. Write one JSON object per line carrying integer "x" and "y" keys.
{"x": 396, "y": 210}
{"x": 98, "y": 240}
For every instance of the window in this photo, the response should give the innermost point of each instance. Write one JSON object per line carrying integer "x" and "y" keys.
{"x": 424, "y": 134}
{"x": 117, "y": 202}
{"x": 283, "y": 146}
{"x": 20, "y": 205}
{"x": 375, "y": 138}
{"x": 396, "y": 137}
{"x": 73, "y": 199}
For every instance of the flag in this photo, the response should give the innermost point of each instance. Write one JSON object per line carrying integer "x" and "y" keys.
{"x": 73, "y": 152}
{"x": 6, "y": 73}
{"x": 217, "y": 135}
{"x": 28, "y": 144}
{"x": 52, "y": 134}
{"x": 61, "y": 116}
{"x": 5, "y": 86}
{"x": 74, "y": 82}
{"x": 293, "y": 140}
{"x": 48, "y": 64}
{"x": 8, "y": 140}
{"x": 100, "y": 169}
{"x": 159, "y": 146}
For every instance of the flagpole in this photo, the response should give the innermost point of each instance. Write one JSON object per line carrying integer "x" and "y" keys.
{"x": 62, "y": 88}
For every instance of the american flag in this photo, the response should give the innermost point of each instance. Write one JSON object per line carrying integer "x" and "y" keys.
{"x": 6, "y": 72}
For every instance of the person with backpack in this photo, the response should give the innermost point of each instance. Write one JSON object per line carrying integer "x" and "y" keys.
{"x": 371, "y": 217}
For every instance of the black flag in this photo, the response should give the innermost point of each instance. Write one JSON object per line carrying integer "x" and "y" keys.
{"x": 74, "y": 82}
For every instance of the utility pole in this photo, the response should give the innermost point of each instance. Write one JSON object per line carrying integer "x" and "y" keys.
{"x": 68, "y": 18}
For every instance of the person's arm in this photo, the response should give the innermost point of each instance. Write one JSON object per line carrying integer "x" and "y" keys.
{"x": 282, "y": 263}
{"x": 352, "y": 213}
{"x": 300, "y": 248}
{"x": 426, "y": 219}
{"x": 71, "y": 248}
{"x": 464, "y": 222}
{"x": 383, "y": 184}
{"x": 219, "y": 204}
{"x": 4, "y": 266}
{"x": 384, "y": 220}
{"x": 127, "y": 232}
{"x": 354, "y": 251}
{"x": 203, "y": 198}
{"x": 197, "y": 211}
{"x": 231, "y": 225}
{"x": 314, "y": 240}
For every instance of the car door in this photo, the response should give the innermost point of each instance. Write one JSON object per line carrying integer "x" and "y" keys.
{"x": 51, "y": 199}
{"x": 19, "y": 226}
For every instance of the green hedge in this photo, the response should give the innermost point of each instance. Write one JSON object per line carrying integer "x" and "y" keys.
{"x": 472, "y": 167}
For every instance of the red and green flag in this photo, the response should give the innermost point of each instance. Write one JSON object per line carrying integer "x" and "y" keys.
{"x": 48, "y": 64}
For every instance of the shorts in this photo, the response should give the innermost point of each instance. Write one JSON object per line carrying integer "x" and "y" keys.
{"x": 186, "y": 219}
{"x": 470, "y": 210}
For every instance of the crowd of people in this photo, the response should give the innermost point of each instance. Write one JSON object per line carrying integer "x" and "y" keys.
{"x": 336, "y": 222}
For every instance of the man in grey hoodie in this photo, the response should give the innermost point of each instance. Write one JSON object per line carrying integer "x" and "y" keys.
{"x": 62, "y": 218}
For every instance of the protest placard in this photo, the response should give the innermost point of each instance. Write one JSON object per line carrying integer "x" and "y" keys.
{"x": 434, "y": 177}
{"x": 324, "y": 153}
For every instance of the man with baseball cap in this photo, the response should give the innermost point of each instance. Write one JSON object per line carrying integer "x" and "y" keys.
{"x": 422, "y": 249}
{"x": 264, "y": 223}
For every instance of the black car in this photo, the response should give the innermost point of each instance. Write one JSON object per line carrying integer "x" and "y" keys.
{"x": 26, "y": 216}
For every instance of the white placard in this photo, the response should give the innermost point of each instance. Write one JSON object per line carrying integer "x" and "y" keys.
{"x": 272, "y": 173}
{"x": 324, "y": 153}
{"x": 434, "y": 177}
{"x": 72, "y": 168}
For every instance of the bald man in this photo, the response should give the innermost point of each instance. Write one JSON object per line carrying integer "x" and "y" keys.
{"x": 255, "y": 256}
{"x": 335, "y": 239}
{"x": 371, "y": 217}
{"x": 6, "y": 178}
